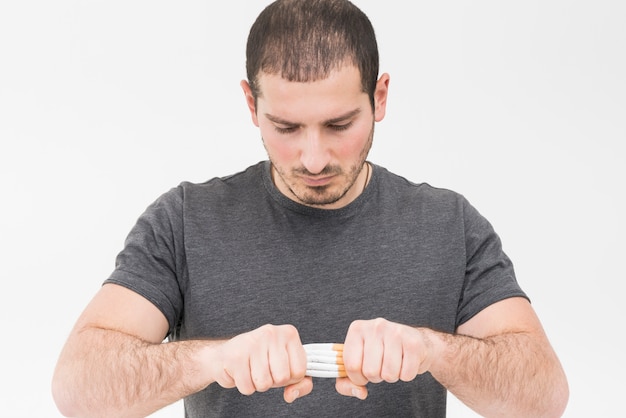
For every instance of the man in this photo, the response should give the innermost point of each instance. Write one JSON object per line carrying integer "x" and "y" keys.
{"x": 315, "y": 245}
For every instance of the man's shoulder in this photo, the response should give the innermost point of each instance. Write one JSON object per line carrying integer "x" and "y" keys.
{"x": 230, "y": 192}
{"x": 238, "y": 178}
{"x": 401, "y": 185}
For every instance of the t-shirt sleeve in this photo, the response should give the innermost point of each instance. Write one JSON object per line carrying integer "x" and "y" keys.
{"x": 153, "y": 259}
{"x": 489, "y": 273}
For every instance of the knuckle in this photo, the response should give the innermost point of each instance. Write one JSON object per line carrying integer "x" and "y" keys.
{"x": 408, "y": 376}
{"x": 356, "y": 325}
{"x": 380, "y": 326}
{"x": 371, "y": 374}
{"x": 281, "y": 381}
{"x": 389, "y": 377}
{"x": 379, "y": 321}
{"x": 351, "y": 366}
{"x": 267, "y": 330}
{"x": 262, "y": 383}
{"x": 289, "y": 330}
{"x": 412, "y": 345}
{"x": 281, "y": 377}
{"x": 245, "y": 389}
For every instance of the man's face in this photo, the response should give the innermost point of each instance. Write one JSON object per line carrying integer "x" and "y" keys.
{"x": 317, "y": 134}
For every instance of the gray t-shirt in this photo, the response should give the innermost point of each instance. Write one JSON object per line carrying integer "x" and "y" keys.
{"x": 231, "y": 254}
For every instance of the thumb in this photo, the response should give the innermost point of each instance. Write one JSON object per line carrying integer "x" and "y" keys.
{"x": 345, "y": 387}
{"x": 298, "y": 389}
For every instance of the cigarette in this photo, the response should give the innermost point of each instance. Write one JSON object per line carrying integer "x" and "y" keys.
{"x": 325, "y": 360}
{"x": 324, "y": 347}
{"x": 325, "y": 374}
{"x": 326, "y": 367}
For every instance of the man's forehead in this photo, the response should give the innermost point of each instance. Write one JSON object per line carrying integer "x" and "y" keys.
{"x": 347, "y": 72}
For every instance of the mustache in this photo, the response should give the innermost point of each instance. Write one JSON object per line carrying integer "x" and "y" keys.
{"x": 328, "y": 170}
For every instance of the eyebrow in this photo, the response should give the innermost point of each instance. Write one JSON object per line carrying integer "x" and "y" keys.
{"x": 332, "y": 121}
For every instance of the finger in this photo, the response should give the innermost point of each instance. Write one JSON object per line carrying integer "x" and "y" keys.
{"x": 279, "y": 366}
{"x": 243, "y": 379}
{"x": 411, "y": 359}
{"x": 373, "y": 352}
{"x": 346, "y": 388}
{"x": 392, "y": 361}
{"x": 260, "y": 372}
{"x": 410, "y": 368}
{"x": 297, "y": 390}
{"x": 353, "y": 357}
{"x": 297, "y": 361}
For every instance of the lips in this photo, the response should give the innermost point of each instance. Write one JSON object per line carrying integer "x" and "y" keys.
{"x": 317, "y": 181}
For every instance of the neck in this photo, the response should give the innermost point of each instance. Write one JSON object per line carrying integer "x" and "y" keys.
{"x": 367, "y": 176}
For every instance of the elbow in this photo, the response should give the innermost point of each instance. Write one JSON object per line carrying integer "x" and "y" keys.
{"x": 560, "y": 398}
{"x": 556, "y": 403}
{"x": 62, "y": 395}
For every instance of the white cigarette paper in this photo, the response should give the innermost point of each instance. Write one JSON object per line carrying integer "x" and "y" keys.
{"x": 326, "y": 366}
{"x": 323, "y": 347}
{"x": 325, "y": 374}
{"x": 325, "y": 360}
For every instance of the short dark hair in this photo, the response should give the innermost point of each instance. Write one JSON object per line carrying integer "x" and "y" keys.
{"x": 304, "y": 40}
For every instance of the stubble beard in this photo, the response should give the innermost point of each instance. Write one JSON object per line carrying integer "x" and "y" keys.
{"x": 323, "y": 195}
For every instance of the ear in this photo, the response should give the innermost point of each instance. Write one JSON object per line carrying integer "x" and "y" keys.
{"x": 247, "y": 91}
{"x": 380, "y": 97}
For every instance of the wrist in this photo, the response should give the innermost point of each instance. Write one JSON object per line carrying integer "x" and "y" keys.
{"x": 202, "y": 363}
{"x": 436, "y": 346}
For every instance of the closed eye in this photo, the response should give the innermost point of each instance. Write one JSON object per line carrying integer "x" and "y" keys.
{"x": 286, "y": 129}
{"x": 340, "y": 127}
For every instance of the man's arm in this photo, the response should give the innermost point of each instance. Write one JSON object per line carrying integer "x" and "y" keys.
{"x": 502, "y": 365}
{"x": 115, "y": 363}
{"x": 499, "y": 363}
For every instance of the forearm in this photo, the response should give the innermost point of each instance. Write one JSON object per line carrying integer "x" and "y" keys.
{"x": 116, "y": 374}
{"x": 508, "y": 375}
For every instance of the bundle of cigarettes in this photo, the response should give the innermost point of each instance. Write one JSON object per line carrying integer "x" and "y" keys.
{"x": 324, "y": 360}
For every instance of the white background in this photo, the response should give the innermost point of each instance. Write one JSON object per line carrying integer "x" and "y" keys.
{"x": 520, "y": 106}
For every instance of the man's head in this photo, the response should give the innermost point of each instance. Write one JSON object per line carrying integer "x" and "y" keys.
{"x": 304, "y": 40}
{"x": 314, "y": 94}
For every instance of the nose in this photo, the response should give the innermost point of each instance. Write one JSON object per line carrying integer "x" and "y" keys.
{"x": 315, "y": 155}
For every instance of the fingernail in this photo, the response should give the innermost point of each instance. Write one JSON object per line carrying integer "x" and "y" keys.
{"x": 357, "y": 393}
{"x": 296, "y": 393}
